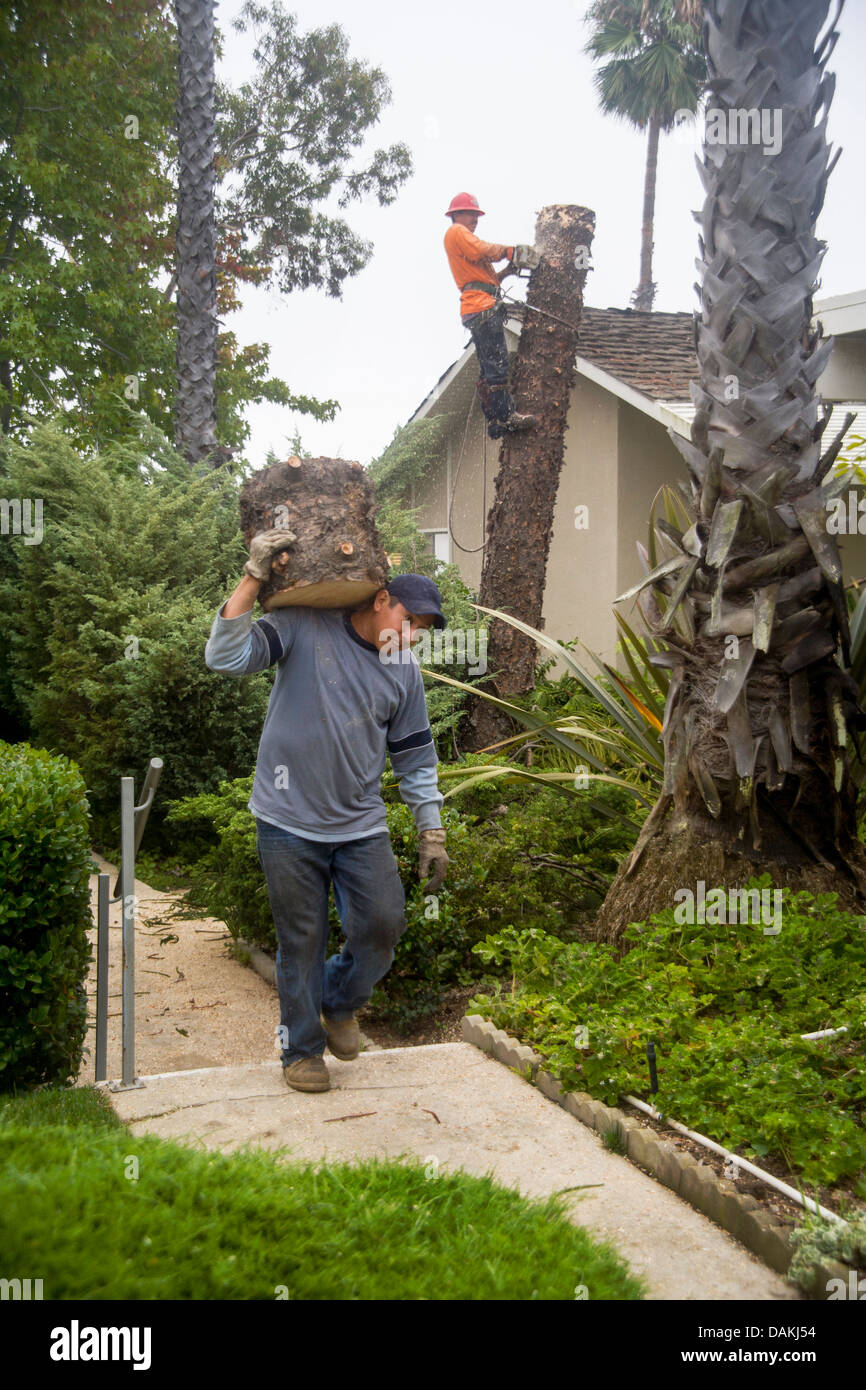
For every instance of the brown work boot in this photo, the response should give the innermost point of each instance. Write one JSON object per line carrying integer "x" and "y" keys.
{"x": 307, "y": 1074}
{"x": 520, "y": 422}
{"x": 344, "y": 1037}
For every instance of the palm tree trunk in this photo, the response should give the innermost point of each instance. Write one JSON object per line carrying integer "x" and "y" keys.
{"x": 645, "y": 293}
{"x": 757, "y": 775}
{"x": 195, "y": 413}
{"x": 520, "y": 521}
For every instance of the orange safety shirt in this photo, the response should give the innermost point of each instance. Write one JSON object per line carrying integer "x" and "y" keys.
{"x": 470, "y": 258}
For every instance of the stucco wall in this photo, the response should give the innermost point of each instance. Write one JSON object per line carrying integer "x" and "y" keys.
{"x": 582, "y": 563}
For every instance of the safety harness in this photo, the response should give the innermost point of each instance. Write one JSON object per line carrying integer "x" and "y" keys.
{"x": 485, "y": 286}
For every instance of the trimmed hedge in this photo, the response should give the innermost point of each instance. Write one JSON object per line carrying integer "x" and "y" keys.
{"x": 44, "y": 917}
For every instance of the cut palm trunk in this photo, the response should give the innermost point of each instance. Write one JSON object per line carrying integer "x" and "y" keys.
{"x": 327, "y": 510}
{"x": 757, "y": 729}
{"x": 520, "y": 521}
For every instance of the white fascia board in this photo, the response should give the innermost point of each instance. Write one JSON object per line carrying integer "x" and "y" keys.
{"x": 655, "y": 409}
{"x": 442, "y": 385}
{"x": 841, "y": 313}
{"x": 512, "y": 327}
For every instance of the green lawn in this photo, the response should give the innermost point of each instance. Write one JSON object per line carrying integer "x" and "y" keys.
{"x": 197, "y": 1225}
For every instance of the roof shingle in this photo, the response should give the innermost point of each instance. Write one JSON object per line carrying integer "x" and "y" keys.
{"x": 654, "y": 353}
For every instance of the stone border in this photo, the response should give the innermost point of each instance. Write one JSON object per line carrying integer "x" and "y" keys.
{"x": 738, "y": 1213}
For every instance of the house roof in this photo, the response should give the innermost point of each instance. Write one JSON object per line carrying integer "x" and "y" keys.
{"x": 646, "y": 359}
{"x": 651, "y": 352}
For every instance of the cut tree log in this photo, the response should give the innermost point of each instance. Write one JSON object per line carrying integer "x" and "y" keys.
{"x": 520, "y": 520}
{"x": 336, "y": 558}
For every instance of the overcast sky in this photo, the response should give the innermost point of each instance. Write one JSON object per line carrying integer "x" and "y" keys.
{"x": 498, "y": 100}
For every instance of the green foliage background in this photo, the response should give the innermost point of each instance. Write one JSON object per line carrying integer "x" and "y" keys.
{"x": 103, "y": 647}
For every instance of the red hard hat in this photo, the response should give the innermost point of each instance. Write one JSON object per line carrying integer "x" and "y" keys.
{"x": 464, "y": 202}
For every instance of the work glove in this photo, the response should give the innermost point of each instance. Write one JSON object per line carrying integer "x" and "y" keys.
{"x": 263, "y": 550}
{"x": 431, "y": 850}
{"x": 526, "y": 258}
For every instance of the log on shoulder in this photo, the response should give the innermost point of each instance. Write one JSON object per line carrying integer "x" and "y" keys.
{"x": 336, "y": 558}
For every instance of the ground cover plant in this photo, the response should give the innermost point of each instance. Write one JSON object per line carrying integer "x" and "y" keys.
{"x": 255, "y": 1225}
{"x": 725, "y": 1006}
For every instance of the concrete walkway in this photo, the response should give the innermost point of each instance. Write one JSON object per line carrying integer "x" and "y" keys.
{"x": 452, "y": 1106}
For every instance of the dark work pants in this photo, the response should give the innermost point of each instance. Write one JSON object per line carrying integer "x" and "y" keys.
{"x": 488, "y": 335}
{"x": 370, "y": 904}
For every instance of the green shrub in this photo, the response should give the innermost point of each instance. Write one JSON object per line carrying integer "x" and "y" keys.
{"x": 726, "y": 1006}
{"x": 110, "y": 612}
{"x": 44, "y": 917}
{"x": 227, "y": 879}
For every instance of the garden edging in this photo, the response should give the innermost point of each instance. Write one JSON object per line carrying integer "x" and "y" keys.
{"x": 738, "y": 1213}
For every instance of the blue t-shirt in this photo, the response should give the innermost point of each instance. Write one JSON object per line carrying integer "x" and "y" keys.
{"x": 336, "y": 707}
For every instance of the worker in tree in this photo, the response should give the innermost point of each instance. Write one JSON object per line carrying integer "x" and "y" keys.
{"x": 481, "y": 310}
{"x": 346, "y": 692}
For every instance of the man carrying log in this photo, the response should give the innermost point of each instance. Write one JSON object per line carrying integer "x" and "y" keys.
{"x": 339, "y": 701}
{"x": 481, "y": 310}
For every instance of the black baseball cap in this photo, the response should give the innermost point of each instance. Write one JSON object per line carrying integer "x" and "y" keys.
{"x": 418, "y": 594}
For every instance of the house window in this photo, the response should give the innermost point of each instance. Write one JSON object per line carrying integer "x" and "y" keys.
{"x": 438, "y": 543}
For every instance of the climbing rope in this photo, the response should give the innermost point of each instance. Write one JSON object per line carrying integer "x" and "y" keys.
{"x": 469, "y": 550}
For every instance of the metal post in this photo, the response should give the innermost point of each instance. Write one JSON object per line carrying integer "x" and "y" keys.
{"x": 102, "y": 900}
{"x": 133, "y": 819}
{"x": 142, "y": 810}
{"x": 127, "y": 908}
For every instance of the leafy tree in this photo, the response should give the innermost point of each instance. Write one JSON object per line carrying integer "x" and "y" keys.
{"x": 651, "y": 67}
{"x": 109, "y": 614}
{"x": 287, "y": 141}
{"x": 85, "y": 104}
{"x": 88, "y": 171}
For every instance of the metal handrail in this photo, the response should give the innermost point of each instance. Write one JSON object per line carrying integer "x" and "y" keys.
{"x": 133, "y": 819}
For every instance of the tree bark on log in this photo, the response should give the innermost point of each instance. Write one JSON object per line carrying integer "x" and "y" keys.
{"x": 520, "y": 520}
{"x": 326, "y": 506}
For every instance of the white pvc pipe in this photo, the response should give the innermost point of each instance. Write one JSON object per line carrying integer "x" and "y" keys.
{"x": 768, "y": 1178}
{"x": 824, "y": 1033}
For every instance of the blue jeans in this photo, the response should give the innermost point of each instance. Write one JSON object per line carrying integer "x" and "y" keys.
{"x": 488, "y": 335}
{"x": 371, "y": 907}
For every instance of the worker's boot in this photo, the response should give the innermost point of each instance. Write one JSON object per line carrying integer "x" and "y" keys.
{"x": 307, "y": 1074}
{"x": 520, "y": 422}
{"x": 344, "y": 1037}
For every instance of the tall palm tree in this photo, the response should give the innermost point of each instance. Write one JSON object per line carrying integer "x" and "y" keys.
{"x": 759, "y": 716}
{"x": 651, "y": 66}
{"x": 195, "y": 411}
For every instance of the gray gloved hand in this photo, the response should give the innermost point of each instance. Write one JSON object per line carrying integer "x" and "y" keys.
{"x": 264, "y": 549}
{"x": 526, "y": 258}
{"x": 431, "y": 851}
